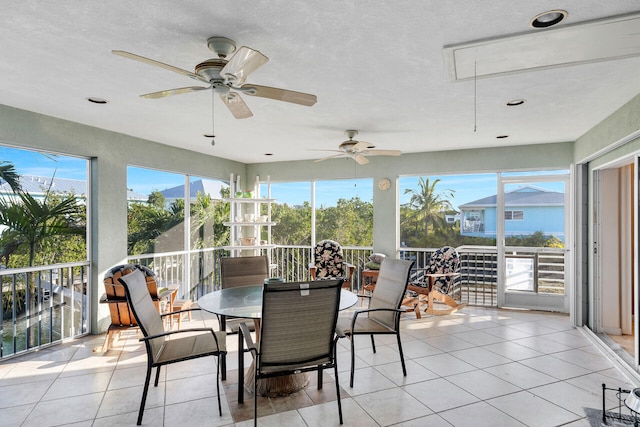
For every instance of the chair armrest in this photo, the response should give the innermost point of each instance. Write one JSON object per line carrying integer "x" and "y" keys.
{"x": 182, "y": 331}
{"x": 251, "y": 346}
{"x": 339, "y": 332}
{"x": 370, "y": 310}
{"x": 312, "y": 271}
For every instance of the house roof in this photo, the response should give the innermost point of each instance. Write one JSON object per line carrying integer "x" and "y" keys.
{"x": 523, "y": 196}
{"x": 37, "y": 185}
{"x": 210, "y": 187}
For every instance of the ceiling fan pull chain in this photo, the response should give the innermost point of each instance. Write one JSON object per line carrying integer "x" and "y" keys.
{"x": 213, "y": 116}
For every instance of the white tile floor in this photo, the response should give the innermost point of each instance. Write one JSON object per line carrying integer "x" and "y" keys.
{"x": 477, "y": 367}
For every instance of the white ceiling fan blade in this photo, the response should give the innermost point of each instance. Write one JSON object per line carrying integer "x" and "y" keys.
{"x": 382, "y": 152}
{"x": 279, "y": 94}
{"x": 244, "y": 62}
{"x": 169, "y": 92}
{"x": 361, "y": 145}
{"x": 236, "y": 105}
{"x": 329, "y": 157}
{"x": 362, "y": 160}
{"x": 158, "y": 64}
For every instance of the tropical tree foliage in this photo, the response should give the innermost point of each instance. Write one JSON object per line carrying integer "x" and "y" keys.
{"x": 424, "y": 214}
{"x": 294, "y": 224}
{"x": 10, "y": 175}
{"x": 154, "y": 228}
{"x": 38, "y": 227}
{"x": 350, "y": 222}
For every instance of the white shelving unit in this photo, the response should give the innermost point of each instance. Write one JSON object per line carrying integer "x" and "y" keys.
{"x": 241, "y": 226}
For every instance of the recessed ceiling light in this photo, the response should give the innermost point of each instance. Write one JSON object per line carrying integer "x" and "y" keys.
{"x": 268, "y": 154}
{"x": 97, "y": 100}
{"x": 548, "y": 19}
{"x": 502, "y": 136}
{"x": 515, "y": 102}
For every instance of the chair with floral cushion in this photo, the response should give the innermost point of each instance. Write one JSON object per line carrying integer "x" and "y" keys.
{"x": 437, "y": 283}
{"x": 328, "y": 263}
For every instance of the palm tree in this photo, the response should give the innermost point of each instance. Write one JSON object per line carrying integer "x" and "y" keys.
{"x": 31, "y": 221}
{"x": 427, "y": 206}
{"x": 9, "y": 174}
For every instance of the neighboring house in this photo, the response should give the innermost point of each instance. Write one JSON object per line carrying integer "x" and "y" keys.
{"x": 452, "y": 217}
{"x": 38, "y": 185}
{"x": 527, "y": 210}
{"x": 209, "y": 187}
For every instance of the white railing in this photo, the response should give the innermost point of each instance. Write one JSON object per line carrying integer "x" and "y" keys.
{"x": 43, "y": 306}
{"x": 477, "y": 284}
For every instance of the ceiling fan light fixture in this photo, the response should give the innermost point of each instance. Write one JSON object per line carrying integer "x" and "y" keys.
{"x": 548, "y": 19}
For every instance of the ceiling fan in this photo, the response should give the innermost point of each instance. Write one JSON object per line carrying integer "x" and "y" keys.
{"x": 358, "y": 150}
{"x": 226, "y": 77}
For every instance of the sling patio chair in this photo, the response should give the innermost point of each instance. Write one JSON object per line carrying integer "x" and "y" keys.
{"x": 234, "y": 272}
{"x": 166, "y": 347}
{"x": 293, "y": 341}
{"x": 383, "y": 313}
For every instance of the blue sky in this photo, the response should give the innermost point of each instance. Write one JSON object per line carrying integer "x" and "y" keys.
{"x": 466, "y": 187}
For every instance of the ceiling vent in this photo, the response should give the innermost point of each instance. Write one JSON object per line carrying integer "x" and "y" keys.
{"x": 591, "y": 41}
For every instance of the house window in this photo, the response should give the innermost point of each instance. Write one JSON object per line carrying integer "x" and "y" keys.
{"x": 514, "y": 215}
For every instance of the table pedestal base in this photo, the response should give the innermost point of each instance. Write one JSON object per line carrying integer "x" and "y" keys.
{"x": 283, "y": 385}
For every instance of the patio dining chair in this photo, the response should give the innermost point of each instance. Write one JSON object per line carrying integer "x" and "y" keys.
{"x": 300, "y": 340}
{"x": 166, "y": 347}
{"x": 234, "y": 272}
{"x": 121, "y": 316}
{"x": 383, "y": 313}
{"x": 328, "y": 263}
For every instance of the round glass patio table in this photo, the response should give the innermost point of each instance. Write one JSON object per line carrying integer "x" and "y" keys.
{"x": 246, "y": 302}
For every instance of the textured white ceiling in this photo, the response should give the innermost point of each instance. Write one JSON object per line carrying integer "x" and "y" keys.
{"x": 376, "y": 67}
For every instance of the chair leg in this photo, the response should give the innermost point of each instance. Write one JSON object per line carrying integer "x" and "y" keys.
{"x": 222, "y": 320}
{"x": 155, "y": 384}
{"x": 335, "y": 367}
{"x": 319, "y": 378}
{"x": 147, "y": 380}
{"x": 373, "y": 343}
{"x": 255, "y": 399}
{"x": 218, "y": 386}
{"x": 353, "y": 360}
{"x": 404, "y": 368}
{"x": 223, "y": 366}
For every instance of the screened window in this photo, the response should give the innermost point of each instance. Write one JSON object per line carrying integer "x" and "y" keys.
{"x": 157, "y": 206}
{"x": 447, "y": 210}
{"x": 38, "y": 190}
{"x": 344, "y": 211}
{"x": 291, "y": 212}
